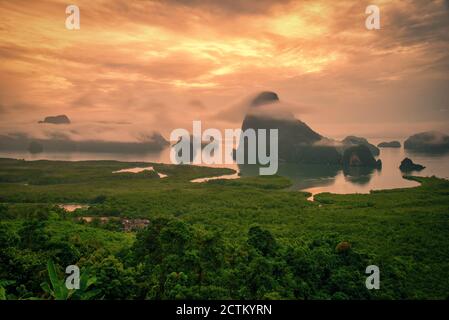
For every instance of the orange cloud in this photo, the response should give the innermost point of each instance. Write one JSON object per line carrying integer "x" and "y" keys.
{"x": 130, "y": 56}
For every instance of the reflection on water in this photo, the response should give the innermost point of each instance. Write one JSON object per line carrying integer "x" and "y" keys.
{"x": 311, "y": 178}
{"x": 302, "y": 176}
{"x": 226, "y": 177}
{"x": 323, "y": 178}
{"x": 140, "y": 169}
{"x": 359, "y": 175}
{"x": 72, "y": 207}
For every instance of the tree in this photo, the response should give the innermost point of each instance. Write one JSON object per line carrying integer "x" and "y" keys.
{"x": 57, "y": 289}
{"x": 4, "y": 214}
{"x": 262, "y": 240}
{"x": 176, "y": 286}
{"x": 8, "y": 238}
{"x": 113, "y": 280}
{"x": 33, "y": 234}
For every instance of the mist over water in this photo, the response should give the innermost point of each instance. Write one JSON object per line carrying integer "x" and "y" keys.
{"x": 321, "y": 178}
{"x": 311, "y": 178}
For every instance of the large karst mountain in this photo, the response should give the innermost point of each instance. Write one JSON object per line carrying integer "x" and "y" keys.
{"x": 297, "y": 142}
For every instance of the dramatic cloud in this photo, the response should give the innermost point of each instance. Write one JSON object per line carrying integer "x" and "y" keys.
{"x": 144, "y": 65}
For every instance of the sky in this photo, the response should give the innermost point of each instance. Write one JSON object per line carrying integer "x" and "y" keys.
{"x": 139, "y": 66}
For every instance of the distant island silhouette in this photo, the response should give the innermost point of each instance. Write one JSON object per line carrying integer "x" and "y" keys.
{"x": 61, "y": 119}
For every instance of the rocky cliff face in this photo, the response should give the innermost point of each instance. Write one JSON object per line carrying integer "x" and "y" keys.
{"x": 360, "y": 156}
{"x": 351, "y": 141}
{"x": 297, "y": 142}
{"x": 265, "y": 97}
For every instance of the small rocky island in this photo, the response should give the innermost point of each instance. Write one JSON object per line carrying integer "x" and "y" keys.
{"x": 407, "y": 165}
{"x": 389, "y": 144}
{"x": 430, "y": 141}
{"x": 61, "y": 119}
{"x": 360, "y": 156}
{"x": 351, "y": 141}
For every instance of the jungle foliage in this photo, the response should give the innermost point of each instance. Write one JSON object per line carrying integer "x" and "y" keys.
{"x": 249, "y": 238}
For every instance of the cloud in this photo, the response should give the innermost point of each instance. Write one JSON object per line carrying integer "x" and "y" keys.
{"x": 158, "y": 65}
{"x": 197, "y": 104}
{"x": 231, "y": 6}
